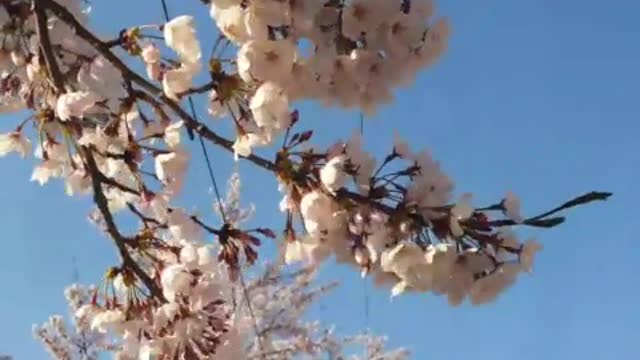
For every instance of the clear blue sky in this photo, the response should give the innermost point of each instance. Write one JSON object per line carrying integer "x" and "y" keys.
{"x": 541, "y": 98}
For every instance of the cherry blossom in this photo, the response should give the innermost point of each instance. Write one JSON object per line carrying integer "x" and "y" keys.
{"x": 123, "y": 138}
{"x": 512, "y": 207}
{"x": 14, "y": 142}
{"x": 180, "y": 35}
{"x": 333, "y": 175}
{"x": 75, "y": 104}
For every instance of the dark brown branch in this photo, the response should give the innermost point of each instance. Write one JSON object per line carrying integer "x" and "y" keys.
{"x": 543, "y": 219}
{"x": 208, "y": 228}
{"x": 103, "y": 206}
{"x": 46, "y": 48}
{"x": 358, "y": 198}
{"x": 111, "y": 182}
{"x": 145, "y": 219}
{"x": 200, "y": 89}
{"x": 580, "y": 200}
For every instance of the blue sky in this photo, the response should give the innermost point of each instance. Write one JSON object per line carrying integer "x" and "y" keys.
{"x": 540, "y": 98}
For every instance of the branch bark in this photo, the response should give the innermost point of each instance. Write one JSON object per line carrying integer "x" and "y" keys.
{"x": 46, "y": 48}
{"x": 103, "y": 206}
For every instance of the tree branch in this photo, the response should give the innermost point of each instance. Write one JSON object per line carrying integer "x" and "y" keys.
{"x": 103, "y": 205}
{"x": 46, "y": 49}
{"x": 191, "y": 123}
{"x": 543, "y": 219}
{"x": 104, "y": 50}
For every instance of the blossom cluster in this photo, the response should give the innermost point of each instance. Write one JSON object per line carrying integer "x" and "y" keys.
{"x": 284, "y": 333}
{"x": 405, "y": 231}
{"x": 115, "y": 134}
{"x": 351, "y": 54}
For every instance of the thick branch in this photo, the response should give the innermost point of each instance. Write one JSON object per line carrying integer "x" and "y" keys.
{"x": 103, "y": 205}
{"x": 45, "y": 46}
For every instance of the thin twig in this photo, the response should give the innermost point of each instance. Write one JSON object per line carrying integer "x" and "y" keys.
{"x": 577, "y": 201}
{"x": 543, "y": 219}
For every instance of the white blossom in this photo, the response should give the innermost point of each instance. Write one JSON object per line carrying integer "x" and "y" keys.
{"x": 182, "y": 227}
{"x": 306, "y": 251}
{"x": 230, "y": 19}
{"x": 14, "y": 142}
{"x": 171, "y": 168}
{"x": 176, "y": 280}
{"x": 46, "y": 170}
{"x": 172, "y": 134}
{"x": 244, "y": 143}
{"x": 317, "y": 210}
{"x": 105, "y": 320}
{"x": 180, "y": 35}
{"x": 333, "y": 175}
{"x": 270, "y": 107}
{"x": 177, "y": 81}
{"x": 104, "y": 80}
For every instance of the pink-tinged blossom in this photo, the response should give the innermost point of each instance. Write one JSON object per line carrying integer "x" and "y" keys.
{"x": 487, "y": 288}
{"x": 363, "y": 16}
{"x": 231, "y": 21}
{"x": 151, "y": 54}
{"x": 78, "y": 182}
{"x": 14, "y": 142}
{"x": 260, "y": 15}
{"x": 182, "y": 227}
{"x": 75, "y": 104}
{"x": 528, "y": 254}
{"x": 266, "y": 60}
{"x": 461, "y": 211}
